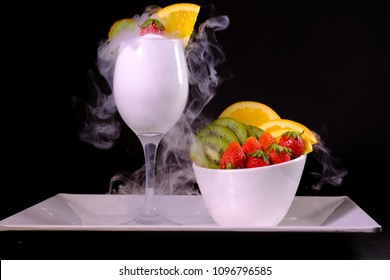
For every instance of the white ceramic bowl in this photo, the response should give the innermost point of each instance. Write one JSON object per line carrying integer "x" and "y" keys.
{"x": 251, "y": 197}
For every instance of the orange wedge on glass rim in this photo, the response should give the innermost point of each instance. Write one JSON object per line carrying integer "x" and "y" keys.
{"x": 179, "y": 20}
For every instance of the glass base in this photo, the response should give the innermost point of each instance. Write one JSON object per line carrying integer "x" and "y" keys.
{"x": 153, "y": 220}
{"x": 150, "y": 216}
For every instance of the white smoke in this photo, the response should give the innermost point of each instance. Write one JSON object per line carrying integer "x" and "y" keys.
{"x": 100, "y": 127}
{"x": 332, "y": 172}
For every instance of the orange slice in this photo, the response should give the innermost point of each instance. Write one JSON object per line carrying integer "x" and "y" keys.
{"x": 250, "y": 112}
{"x": 179, "y": 20}
{"x": 273, "y": 126}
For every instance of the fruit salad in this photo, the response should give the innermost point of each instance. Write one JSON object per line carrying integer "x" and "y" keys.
{"x": 250, "y": 134}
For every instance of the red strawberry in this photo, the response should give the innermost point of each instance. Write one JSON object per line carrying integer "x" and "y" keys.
{"x": 152, "y": 26}
{"x": 233, "y": 157}
{"x": 278, "y": 154}
{"x": 257, "y": 159}
{"x": 251, "y": 145}
{"x": 292, "y": 140}
{"x": 265, "y": 140}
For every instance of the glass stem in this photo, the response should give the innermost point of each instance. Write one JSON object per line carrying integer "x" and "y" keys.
{"x": 150, "y": 144}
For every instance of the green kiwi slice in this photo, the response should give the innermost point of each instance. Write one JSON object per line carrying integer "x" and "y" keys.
{"x": 237, "y": 127}
{"x": 218, "y": 130}
{"x": 257, "y": 130}
{"x": 249, "y": 131}
{"x": 206, "y": 151}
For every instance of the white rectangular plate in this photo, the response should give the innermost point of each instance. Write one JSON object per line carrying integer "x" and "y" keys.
{"x": 104, "y": 212}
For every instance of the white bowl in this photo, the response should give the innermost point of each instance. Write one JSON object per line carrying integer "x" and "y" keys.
{"x": 251, "y": 197}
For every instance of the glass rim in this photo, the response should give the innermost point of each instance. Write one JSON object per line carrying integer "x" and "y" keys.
{"x": 163, "y": 38}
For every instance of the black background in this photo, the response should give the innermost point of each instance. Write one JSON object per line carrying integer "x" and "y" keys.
{"x": 323, "y": 64}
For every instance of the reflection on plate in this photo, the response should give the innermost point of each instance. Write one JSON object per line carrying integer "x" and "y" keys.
{"x": 115, "y": 212}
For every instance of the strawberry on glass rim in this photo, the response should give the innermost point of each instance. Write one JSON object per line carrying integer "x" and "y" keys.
{"x": 152, "y": 26}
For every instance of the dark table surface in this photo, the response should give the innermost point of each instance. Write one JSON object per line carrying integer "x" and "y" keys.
{"x": 194, "y": 245}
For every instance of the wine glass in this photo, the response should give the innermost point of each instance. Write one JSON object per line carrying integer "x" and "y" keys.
{"x": 150, "y": 88}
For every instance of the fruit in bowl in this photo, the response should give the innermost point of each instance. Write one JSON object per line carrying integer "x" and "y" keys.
{"x": 248, "y": 171}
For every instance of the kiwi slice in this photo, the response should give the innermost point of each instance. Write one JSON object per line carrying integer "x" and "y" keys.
{"x": 210, "y": 143}
{"x": 218, "y": 130}
{"x": 249, "y": 131}
{"x": 206, "y": 151}
{"x": 198, "y": 155}
{"x": 257, "y": 130}
{"x": 236, "y": 126}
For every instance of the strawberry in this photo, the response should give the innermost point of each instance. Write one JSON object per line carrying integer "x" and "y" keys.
{"x": 292, "y": 140}
{"x": 278, "y": 153}
{"x": 265, "y": 140}
{"x": 233, "y": 157}
{"x": 152, "y": 26}
{"x": 251, "y": 145}
{"x": 257, "y": 159}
